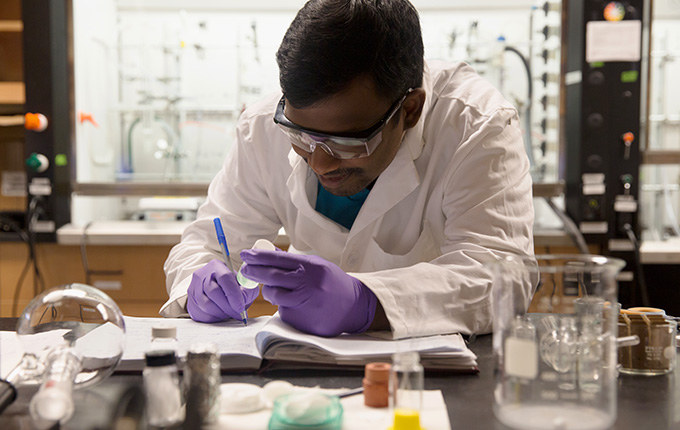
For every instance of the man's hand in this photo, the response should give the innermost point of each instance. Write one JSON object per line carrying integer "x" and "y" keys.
{"x": 215, "y": 295}
{"x": 313, "y": 295}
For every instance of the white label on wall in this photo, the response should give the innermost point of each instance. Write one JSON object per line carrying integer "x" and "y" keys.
{"x": 625, "y": 276}
{"x": 592, "y": 178}
{"x": 40, "y": 187}
{"x": 595, "y": 227}
{"x": 571, "y": 78}
{"x": 593, "y": 189}
{"x": 625, "y": 205}
{"x": 43, "y": 226}
{"x": 613, "y": 41}
{"x": 621, "y": 245}
{"x": 13, "y": 183}
{"x": 521, "y": 358}
{"x": 108, "y": 285}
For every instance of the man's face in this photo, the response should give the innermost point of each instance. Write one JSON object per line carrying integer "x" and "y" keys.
{"x": 354, "y": 109}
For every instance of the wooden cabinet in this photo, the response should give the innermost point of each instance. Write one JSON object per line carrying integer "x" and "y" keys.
{"x": 132, "y": 275}
{"x": 11, "y": 99}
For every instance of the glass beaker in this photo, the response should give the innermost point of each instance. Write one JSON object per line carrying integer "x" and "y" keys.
{"x": 555, "y": 349}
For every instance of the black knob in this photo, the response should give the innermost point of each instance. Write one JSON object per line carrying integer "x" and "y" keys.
{"x": 595, "y": 120}
{"x": 596, "y": 77}
{"x": 594, "y": 161}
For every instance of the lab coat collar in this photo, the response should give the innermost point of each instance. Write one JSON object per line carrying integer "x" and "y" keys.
{"x": 302, "y": 184}
{"x": 398, "y": 180}
{"x": 414, "y": 140}
{"x": 401, "y": 177}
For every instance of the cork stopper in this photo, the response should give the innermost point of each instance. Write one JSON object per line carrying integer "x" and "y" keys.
{"x": 375, "y": 383}
{"x": 377, "y": 372}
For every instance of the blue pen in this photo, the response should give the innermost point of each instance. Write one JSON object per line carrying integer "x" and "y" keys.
{"x": 227, "y": 258}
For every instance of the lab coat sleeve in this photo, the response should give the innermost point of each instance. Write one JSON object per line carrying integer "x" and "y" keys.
{"x": 238, "y": 197}
{"x": 488, "y": 211}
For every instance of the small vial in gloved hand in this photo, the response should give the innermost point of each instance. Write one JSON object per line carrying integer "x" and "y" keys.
{"x": 249, "y": 283}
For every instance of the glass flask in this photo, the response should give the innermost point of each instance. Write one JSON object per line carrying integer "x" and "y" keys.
{"x": 72, "y": 336}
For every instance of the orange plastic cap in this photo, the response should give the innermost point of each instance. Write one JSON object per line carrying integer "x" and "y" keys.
{"x": 35, "y": 121}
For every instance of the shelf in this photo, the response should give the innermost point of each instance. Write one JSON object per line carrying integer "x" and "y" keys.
{"x": 12, "y": 93}
{"x": 11, "y": 25}
{"x": 141, "y": 189}
{"x": 661, "y": 156}
{"x": 545, "y": 189}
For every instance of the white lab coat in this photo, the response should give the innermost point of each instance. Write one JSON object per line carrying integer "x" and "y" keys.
{"x": 456, "y": 196}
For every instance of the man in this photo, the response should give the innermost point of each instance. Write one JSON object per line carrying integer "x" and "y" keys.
{"x": 394, "y": 180}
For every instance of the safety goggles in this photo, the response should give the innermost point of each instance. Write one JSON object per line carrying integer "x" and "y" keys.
{"x": 342, "y": 146}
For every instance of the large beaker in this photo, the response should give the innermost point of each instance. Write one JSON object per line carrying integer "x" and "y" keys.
{"x": 556, "y": 358}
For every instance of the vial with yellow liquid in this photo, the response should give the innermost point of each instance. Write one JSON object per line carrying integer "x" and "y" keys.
{"x": 406, "y": 391}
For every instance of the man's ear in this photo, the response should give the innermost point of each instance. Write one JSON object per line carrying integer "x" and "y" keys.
{"x": 413, "y": 107}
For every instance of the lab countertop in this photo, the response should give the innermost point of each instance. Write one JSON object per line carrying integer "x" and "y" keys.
{"x": 643, "y": 402}
{"x": 170, "y": 233}
{"x": 131, "y": 233}
{"x": 660, "y": 252}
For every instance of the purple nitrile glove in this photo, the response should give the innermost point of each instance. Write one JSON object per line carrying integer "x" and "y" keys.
{"x": 313, "y": 295}
{"x": 215, "y": 295}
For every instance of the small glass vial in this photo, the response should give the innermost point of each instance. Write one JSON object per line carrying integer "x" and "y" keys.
{"x": 249, "y": 283}
{"x": 162, "y": 389}
{"x": 202, "y": 385}
{"x": 406, "y": 390}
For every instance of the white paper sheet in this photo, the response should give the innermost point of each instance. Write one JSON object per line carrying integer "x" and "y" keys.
{"x": 356, "y": 415}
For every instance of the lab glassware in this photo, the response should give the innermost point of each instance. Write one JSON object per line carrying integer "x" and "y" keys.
{"x": 556, "y": 352}
{"x": 202, "y": 385}
{"x": 162, "y": 389}
{"x": 406, "y": 390}
{"x": 655, "y": 354}
{"x": 309, "y": 409}
{"x": 240, "y": 277}
{"x": 72, "y": 336}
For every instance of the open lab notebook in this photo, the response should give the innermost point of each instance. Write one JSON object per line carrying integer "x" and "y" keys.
{"x": 268, "y": 339}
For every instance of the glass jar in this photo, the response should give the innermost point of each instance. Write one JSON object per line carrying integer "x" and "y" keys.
{"x": 164, "y": 406}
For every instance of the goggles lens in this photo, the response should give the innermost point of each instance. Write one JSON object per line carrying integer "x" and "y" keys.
{"x": 356, "y": 145}
{"x": 338, "y": 147}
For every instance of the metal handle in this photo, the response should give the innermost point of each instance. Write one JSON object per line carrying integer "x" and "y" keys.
{"x": 627, "y": 341}
{"x": 7, "y": 394}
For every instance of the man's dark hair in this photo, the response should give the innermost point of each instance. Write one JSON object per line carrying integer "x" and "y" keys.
{"x": 332, "y": 42}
